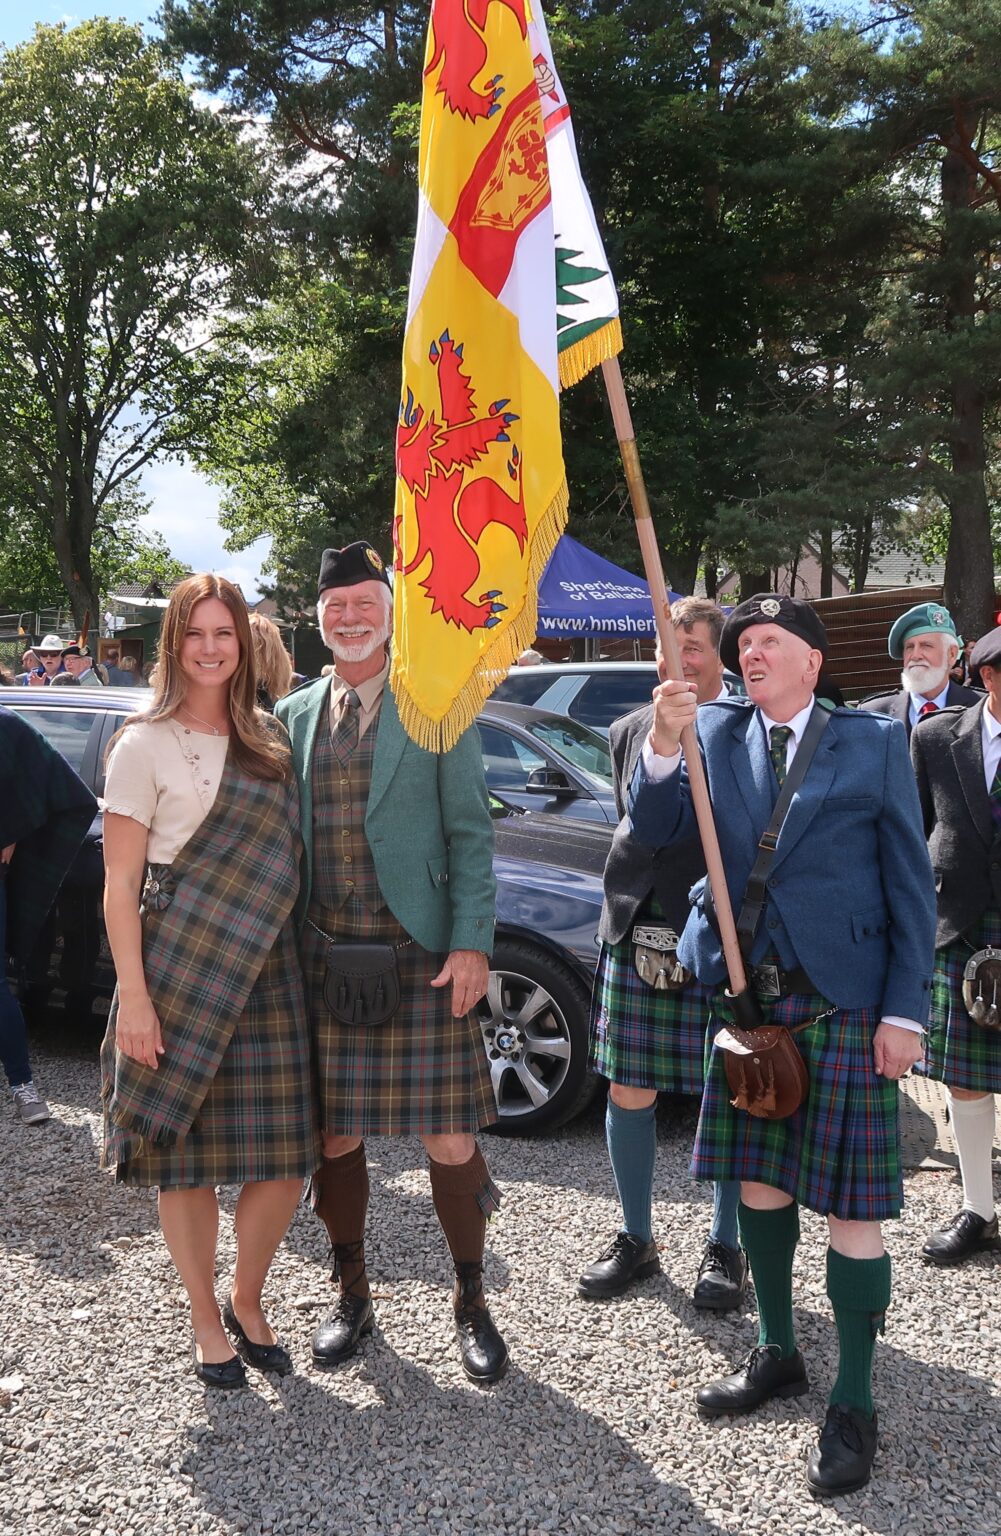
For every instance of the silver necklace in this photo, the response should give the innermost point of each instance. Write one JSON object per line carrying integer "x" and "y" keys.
{"x": 191, "y": 714}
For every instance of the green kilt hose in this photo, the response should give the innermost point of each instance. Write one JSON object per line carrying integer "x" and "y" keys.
{"x": 959, "y": 1052}
{"x": 423, "y": 1073}
{"x": 258, "y": 1120}
{"x": 839, "y": 1154}
{"x": 643, "y": 1038}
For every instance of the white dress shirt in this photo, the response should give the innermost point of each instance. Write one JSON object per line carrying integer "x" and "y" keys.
{"x": 918, "y": 702}
{"x": 990, "y": 735}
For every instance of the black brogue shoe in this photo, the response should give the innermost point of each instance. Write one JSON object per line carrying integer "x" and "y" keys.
{"x": 763, "y": 1375}
{"x": 722, "y": 1278}
{"x": 625, "y": 1260}
{"x": 841, "y": 1461}
{"x": 481, "y": 1349}
{"x": 962, "y": 1237}
{"x": 338, "y": 1338}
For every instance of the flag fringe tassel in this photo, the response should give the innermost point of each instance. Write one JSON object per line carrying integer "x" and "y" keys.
{"x": 578, "y": 360}
{"x": 442, "y": 735}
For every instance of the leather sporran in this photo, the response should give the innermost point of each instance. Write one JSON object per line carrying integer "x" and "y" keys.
{"x": 765, "y": 1072}
{"x": 362, "y": 983}
{"x": 655, "y": 956}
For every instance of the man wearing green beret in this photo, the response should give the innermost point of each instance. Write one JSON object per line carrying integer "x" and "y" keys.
{"x": 925, "y": 640}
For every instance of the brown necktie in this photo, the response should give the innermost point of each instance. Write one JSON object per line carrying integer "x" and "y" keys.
{"x": 345, "y": 736}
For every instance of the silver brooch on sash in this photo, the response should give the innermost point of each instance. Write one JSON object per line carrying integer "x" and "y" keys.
{"x": 981, "y": 984}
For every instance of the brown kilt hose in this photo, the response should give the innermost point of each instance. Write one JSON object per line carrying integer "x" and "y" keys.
{"x": 423, "y": 1073}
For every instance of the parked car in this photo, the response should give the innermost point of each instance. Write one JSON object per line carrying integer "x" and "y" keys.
{"x": 541, "y": 761}
{"x": 534, "y": 1017}
{"x": 595, "y": 693}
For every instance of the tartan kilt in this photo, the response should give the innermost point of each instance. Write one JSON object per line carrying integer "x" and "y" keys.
{"x": 258, "y": 1120}
{"x": 959, "y": 1052}
{"x": 839, "y": 1154}
{"x": 423, "y": 1073}
{"x": 643, "y": 1038}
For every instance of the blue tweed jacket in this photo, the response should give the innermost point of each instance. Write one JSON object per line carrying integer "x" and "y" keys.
{"x": 427, "y": 823}
{"x": 851, "y": 897}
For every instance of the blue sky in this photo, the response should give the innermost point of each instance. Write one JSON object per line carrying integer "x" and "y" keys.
{"x": 185, "y": 505}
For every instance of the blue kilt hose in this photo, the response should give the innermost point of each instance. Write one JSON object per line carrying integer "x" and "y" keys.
{"x": 839, "y": 1154}
{"x": 959, "y": 1052}
{"x": 642, "y": 1038}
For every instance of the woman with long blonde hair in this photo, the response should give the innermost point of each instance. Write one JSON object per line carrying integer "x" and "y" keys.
{"x": 274, "y": 664}
{"x": 205, "y": 1065}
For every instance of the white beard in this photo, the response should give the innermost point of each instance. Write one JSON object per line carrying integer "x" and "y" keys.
{"x": 361, "y": 649}
{"x": 922, "y": 679}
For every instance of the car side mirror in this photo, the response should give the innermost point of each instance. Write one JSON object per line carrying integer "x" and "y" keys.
{"x": 552, "y": 782}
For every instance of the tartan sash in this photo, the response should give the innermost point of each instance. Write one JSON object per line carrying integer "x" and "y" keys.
{"x": 210, "y": 920}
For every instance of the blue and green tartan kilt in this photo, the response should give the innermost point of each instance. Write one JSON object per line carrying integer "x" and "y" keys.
{"x": 960, "y": 1052}
{"x": 643, "y": 1038}
{"x": 839, "y": 1154}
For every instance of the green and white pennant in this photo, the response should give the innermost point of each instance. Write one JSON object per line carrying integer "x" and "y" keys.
{"x": 587, "y": 304}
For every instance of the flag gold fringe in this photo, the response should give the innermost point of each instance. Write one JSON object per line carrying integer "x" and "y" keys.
{"x": 577, "y": 361}
{"x": 442, "y": 735}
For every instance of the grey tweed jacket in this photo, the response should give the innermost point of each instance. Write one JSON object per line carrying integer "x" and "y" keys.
{"x": 964, "y": 843}
{"x": 633, "y": 871}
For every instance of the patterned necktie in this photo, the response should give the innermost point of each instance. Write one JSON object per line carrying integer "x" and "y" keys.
{"x": 345, "y": 737}
{"x": 929, "y": 708}
{"x": 778, "y": 736}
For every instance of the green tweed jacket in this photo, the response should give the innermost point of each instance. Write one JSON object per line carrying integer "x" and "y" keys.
{"x": 427, "y": 824}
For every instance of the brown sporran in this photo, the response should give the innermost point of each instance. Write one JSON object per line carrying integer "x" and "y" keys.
{"x": 765, "y": 1072}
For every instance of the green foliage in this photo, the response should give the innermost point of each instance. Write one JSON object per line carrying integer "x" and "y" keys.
{"x": 802, "y": 217}
{"x": 125, "y": 210}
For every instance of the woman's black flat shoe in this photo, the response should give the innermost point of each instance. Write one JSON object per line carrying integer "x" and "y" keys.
{"x": 265, "y": 1357}
{"x": 226, "y": 1375}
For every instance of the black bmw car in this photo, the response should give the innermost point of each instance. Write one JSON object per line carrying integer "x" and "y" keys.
{"x": 548, "y": 866}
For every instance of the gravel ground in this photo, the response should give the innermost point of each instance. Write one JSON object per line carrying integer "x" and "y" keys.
{"x": 104, "y": 1430}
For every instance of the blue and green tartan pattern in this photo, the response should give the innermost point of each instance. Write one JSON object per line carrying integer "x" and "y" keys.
{"x": 643, "y": 1038}
{"x": 839, "y": 1154}
{"x": 960, "y": 1052}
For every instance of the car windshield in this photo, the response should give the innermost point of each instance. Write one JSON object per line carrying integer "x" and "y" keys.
{"x": 585, "y": 749}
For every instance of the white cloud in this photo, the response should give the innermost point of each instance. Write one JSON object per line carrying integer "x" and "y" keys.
{"x": 186, "y": 512}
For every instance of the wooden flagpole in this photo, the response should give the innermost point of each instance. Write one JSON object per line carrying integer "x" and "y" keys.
{"x": 654, "y": 570}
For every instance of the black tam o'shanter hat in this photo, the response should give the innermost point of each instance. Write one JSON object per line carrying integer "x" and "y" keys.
{"x": 348, "y": 566}
{"x": 790, "y": 613}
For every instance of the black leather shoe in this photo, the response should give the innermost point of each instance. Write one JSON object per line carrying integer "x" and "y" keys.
{"x": 227, "y": 1375}
{"x": 763, "y": 1375}
{"x": 625, "y": 1260}
{"x": 960, "y": 1238}
{"x": 842, "y": 1459}
{"x": 338, "y": 1338}
{"x": 481, "y": 1349}
{"x": 722, "y": 1278}
{"x": 264, "y": 1357}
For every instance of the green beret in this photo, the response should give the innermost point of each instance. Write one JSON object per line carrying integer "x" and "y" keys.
{"x": 925, "y": 619}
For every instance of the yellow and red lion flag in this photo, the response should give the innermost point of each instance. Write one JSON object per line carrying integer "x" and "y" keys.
{"x": 481, "y": 493}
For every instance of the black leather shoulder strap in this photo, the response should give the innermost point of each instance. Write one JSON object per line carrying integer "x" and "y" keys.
{"x": 756, "y": 893}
